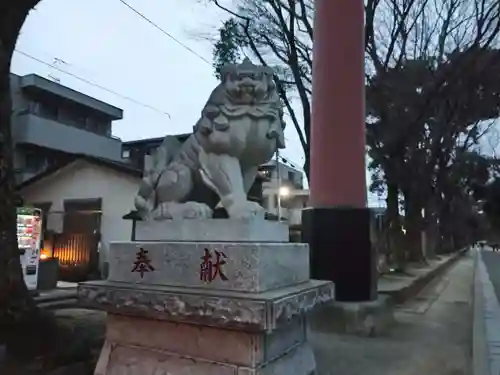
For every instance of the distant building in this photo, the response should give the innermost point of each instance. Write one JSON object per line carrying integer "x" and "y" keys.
{"x": 83, "y": 202}
{"x": 134, "y": 152}
{"x": 290, "y": 175}
{"x": 51, "y": 120}
{"x": 287, "y": 191}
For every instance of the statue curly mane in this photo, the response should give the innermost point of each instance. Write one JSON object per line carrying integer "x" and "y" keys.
{"x": 225, "y": 102}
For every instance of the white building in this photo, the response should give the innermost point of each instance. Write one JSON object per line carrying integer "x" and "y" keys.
{"x": 85, "y": 198}
{"x": 283, "y": 191}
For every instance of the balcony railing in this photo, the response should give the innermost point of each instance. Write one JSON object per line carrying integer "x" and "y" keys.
{"x": 43, "y": 132}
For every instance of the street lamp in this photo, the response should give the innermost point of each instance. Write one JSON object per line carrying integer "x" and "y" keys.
{"x": 284, "y": 191}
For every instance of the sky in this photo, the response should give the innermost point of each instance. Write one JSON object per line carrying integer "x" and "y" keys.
{"x": 107, "y": 44}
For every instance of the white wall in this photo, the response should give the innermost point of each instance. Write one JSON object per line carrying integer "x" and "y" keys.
{"x": 298, "y": 176}
{"x": 83, "y": 180}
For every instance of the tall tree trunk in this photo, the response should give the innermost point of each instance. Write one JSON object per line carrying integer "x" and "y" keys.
{"x": 393, "y": 222}
{"x": 413, "y": 227}
{"x": 16, "y": 305}
{"x": 431, "y": 228}
{"x": 448, "y": 221}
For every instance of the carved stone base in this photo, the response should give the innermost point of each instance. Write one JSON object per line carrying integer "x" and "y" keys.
{"x": 177, "y": 331}
{"x": 148, "y": 347}
{"x": 247, "y": 317}
{"x": 366, "y": 319}
{"x": 265, "y": 311}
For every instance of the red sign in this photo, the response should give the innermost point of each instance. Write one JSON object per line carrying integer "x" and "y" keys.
{"x": 211, "y": 268}
{"x": 142, "y": 263}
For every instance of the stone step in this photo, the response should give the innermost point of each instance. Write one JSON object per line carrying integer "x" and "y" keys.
{"x": 250, "y": 230}
{"x": 59, "y": 304}
{"x": 55, "y": 295}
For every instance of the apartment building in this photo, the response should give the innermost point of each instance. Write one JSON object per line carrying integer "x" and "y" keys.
{"x": 51, "y": 123}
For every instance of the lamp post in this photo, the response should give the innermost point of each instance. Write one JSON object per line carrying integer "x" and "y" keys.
{"x": 278, "y": 182}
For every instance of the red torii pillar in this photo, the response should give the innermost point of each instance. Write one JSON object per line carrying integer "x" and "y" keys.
{"x": 337, "y": 225}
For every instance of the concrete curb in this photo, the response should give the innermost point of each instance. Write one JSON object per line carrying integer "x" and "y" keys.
{"x": 404, "y": 294}
{"x": 67, "y": 303}
{"x": 486, "y": 323}
{"x": 480, "y": 363}
{"x": 57, "y": 300}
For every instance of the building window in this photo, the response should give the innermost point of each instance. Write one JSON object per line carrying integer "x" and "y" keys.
{"x": 49, "y": 110}
{"x": 291, "y": 176}
{"x": 34, "y": 107}
{"x": 91, "y": 124}
{"x": 107, "y": 129}
{"x": 33, "y": 162}
{"x": 73, "y": 115}
{"x": 104, "y": 127}
{"x": 125, "y": 154}
{"x": 97, "y": 125}
{"x": 66, "y": 116}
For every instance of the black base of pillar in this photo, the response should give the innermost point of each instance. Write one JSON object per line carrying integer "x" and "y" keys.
{"x": 341, "y": 251}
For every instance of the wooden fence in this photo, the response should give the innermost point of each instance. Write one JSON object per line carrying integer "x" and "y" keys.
{"x": 77, "y": 254}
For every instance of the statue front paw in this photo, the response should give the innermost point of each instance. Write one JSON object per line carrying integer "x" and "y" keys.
{"x": 246, "y": 210}
{"x": 195, "y": 210}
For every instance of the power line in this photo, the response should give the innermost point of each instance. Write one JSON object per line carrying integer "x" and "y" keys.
{"x": 294, "y": 165}
{"x": 145, "y": 18}
{"x": 164, "y": 32}
{"x": 92, "y": 83}
{"x": 284, "y": 159}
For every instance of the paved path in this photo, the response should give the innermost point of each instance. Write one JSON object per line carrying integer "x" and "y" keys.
{"x": 432, "y": 335}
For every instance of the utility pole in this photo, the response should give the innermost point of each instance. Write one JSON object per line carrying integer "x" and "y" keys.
{"x": 278, "y": 182}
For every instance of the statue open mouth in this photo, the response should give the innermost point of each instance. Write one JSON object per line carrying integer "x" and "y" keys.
{"x": 247, "y": 89}
{"x": 246, "y": 93}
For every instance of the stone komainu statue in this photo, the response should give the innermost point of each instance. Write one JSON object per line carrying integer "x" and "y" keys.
{"x": 240, "y": 128}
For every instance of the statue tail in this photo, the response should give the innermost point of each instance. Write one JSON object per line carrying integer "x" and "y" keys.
{"x": 145, "y": 198}
{"x": 154, "y": 166}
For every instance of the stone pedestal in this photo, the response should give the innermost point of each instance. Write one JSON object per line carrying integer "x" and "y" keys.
{"x": 366, "y": 319}
{"x": 247, "y": 318}
{"x": 220, "y": 230}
